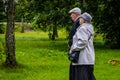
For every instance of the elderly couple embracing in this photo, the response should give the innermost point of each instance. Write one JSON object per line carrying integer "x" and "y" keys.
{"x": 81, "y": 39}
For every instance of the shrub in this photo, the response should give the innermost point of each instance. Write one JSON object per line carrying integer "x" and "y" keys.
{"x": 2, "y": 28}
{"x": 2, "y": 49}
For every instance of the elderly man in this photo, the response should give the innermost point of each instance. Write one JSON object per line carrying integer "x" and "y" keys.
{"x": 75, "y": 15}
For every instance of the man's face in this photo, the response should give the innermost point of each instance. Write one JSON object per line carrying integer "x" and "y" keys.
{"x": 73, "y": 16}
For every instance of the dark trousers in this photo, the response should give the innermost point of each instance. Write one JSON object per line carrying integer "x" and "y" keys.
{"x": 81, "y": 72}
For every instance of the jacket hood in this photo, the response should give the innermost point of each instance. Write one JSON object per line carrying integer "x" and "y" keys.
{"x": 89, "y": 27}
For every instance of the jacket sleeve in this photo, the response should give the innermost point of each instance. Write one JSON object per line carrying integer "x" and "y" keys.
{"x": 82, "y": 36}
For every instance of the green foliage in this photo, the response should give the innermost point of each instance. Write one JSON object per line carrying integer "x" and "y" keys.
{"x": 52, "y": 13}
{"x": 39, "y": 22}
{"x": 2, "y": 13}
{"x": 53, "y": 10}
{"x": 49, "y": 14}
{"x": 24, "y": 8}
{"x": 105, "y": 19}
{"x": 108, "y": 22}
{"x": 2, "y": 17}
{"x": 2, "y": 49}
{"x": 2, "y": 28}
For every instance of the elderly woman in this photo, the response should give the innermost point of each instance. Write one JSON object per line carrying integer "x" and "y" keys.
{"x": 83, "y": 42}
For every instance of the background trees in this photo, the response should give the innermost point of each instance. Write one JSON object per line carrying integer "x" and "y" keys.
{"x": 105, "y": 19}
{"x": 108, "y": 22}
{"x": 49, "y": 15}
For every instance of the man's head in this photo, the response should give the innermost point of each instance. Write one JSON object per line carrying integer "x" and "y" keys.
{"x": 75, "y": 12}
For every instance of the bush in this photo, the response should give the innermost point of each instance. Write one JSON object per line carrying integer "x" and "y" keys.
{"x": 2, "y": 28}
{"x": 2, "y": 49}
{"x": 18, "y": 27}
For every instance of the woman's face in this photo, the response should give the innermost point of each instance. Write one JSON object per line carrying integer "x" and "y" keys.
{"x": 81, "y": 21}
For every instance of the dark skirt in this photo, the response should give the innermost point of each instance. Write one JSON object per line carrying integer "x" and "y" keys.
{"x": 81, "y": 72}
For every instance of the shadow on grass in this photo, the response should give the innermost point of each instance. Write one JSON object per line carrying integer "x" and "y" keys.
{"x": 60, "y": 44}
{"x": 100, "y": 45}
{"x": 16, "y": 69}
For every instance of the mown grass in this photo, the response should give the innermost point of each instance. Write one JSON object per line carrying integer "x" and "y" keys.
{"x": 42, "y": 59}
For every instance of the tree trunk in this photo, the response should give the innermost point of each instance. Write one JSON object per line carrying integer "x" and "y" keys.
{"x": 55, "y": 32}
{"x": 22, "y": 31}
{"x": 9, "y": 37}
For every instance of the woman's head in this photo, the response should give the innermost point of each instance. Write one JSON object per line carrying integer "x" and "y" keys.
{"x": 85, "y": 18}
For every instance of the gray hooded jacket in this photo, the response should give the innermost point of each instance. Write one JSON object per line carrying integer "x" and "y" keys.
{"x": 83, "y": 42}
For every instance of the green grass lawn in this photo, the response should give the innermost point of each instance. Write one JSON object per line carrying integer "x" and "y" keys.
{"x": 43, "y": 59}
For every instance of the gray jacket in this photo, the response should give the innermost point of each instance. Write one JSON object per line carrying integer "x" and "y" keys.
{"x": 83, "y": 42}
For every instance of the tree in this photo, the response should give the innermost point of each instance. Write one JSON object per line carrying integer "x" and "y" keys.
{"x": 24, "y": 12}
{"x": 9, "y": 36}
{"x": 53, "y": 12}
{"x": 108, "y": 22}
{"x": 48, "y": 14}
{"x": 105, "y": 19}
